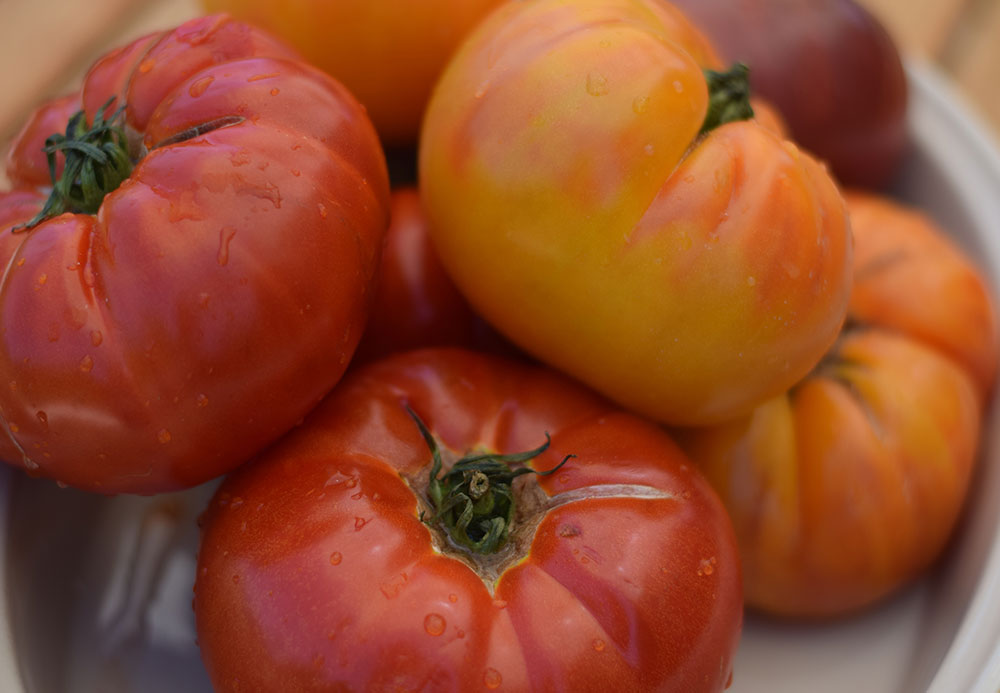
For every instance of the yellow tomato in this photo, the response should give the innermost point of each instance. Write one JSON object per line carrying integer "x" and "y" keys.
{"x": 575, "y": 203}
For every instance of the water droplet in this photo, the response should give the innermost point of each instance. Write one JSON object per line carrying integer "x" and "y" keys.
{"x": 452, "y": 598}
{"x": 201, "y": 400}
{"x": 640, "y": 104}
{"x": 275, "y": 91}
{"x": 235, "y": 503}
{"x": 226, "y": 234}
{"x": 598, "y": 645}
{"x": 482, "y": 89}
{"x": 359, "y": 522}
{"x": 358, "y": 496}
{"x": 336, "y": 558}
{"x": 492, "y": 678}
{"x": 322, "y": 210}
{"x": 296, "y": 172}
{"x": 147, "y": 65}
{"x": 678, "y": 86}
{"x": 96, "y": 337}
{"x": 20, "y": 262}
{"x": 500, "y": 603}
{"x": 597, "y": 84}
{"x": 257, "y": 78}
{"x": 13, "y": 427}
{"x": 707, "y": 566}
{"x": 163, "y": 436}
{"x": 434, "y": 624}
{"x": 351, "y": 482}
{"x": 42, "y": 278}
{"x": 649, "y": 149}
{"x": 199, "y": 86}
{"x": 86, "y": 364}
{"x": 29, "y": 463}
{"x": 43, "y": 418}
{"x": 751, "y": 281}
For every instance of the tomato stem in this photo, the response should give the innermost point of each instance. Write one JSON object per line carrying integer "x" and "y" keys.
{"x": 474, "y": 501}
{"x": 728, "y": 97}
{"x": 96, "y": 162}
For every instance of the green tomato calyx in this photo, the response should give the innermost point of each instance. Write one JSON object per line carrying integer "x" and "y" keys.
{"x": 728, "y": 97}
{"x": 97, "y": 162}
{"x": 473, "y": 502}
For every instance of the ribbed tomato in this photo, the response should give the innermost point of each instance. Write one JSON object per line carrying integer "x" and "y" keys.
{"x": 155, "y": 334}
{"x": 346, "y": 558}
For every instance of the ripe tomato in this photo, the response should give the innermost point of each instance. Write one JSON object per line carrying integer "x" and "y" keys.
{"x": 169, "y": 330}
{"x": 848, "y": 486}
{"x": 416, "y": 304}
{"x": 845, "y": 105}
{"x": 388, "y": 54}
{"x": 574, "y": 203}
{"x": 322, "y": 564}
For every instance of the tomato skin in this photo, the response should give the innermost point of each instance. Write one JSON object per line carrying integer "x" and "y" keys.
{"x": 416, "y": 304}
{"x": 577, "y": 209}
{"x": 217, "y": 294}
{"x": 849, "y": 485}
{"x": 388, "y": 56}
{"x": 316, "y": 573}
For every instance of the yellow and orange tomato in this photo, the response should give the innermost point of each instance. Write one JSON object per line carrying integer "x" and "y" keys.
{"x": 848, "y": 485}
{"x": 575, "y": 203}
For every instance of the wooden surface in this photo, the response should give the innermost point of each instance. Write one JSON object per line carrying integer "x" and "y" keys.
{"x": 45, "y": 45}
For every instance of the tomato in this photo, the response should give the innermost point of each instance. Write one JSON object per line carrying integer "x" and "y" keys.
{"x": 829, "y": 67}
{"x": 416, "y": 304}
{"x": 161, "y": 336}
{"x": 389, "y": 55}
{"x": 323, "y": 565}
{"x": 574, "y": 203}
{"x": 848, "y": 486}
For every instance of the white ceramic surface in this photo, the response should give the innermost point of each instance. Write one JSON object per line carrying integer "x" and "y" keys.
{"x": 95, "y": 593}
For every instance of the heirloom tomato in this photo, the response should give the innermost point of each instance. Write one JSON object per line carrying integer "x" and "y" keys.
{"x": 388, "y": 53}
{"x": 452, "y": 521}
{"x": 848, "y": 486}
{"x": 831, "y": 69}
{"x": 416, "y": 304}
{"x": 577, "y": 203}
{"x": 155, "y": 334}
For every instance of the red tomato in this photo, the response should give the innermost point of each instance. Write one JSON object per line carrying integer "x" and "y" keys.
{"x": 322, "y": 565}
{"x": 578, "y": 205}
{"x": 389, "y": 54}
{"x": 200, "y": 309}
{"x": 416, "y": 304}
{"x": 849, "y": 485}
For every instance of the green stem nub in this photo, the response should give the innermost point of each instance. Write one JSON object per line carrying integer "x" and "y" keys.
{"x": 473, "y": 501}
{"x": 97, "y": 161}
{"x": 728, "y": 97}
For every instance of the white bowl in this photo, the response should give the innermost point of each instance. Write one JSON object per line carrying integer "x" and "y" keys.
{"x": 98, "y": 590}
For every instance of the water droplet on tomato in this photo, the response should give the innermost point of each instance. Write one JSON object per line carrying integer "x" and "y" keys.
{"x": 482, "y": 89}
{"x": 649, "y": 150}
{"x": 201, "y": 401}
{"x": 322, "y": 210}
{"x": 275, "y": 91}
{"x": 492, "y": 678}
{"x": 336, "y": 557}
{"x": 351, "y": 482}
{"x": 678, "y": 86}
{"x": 640, "y": 104}
{"x": 597, "y": 84}
{"x": 43, "y": 419}
{"x": 163, "y": 435}
{"x": 751, "y": 281}
{"x": 500, "y": 603}
{"x": 235, "y": 502}
{"x": 199, "y": 86}
{"x": 434, "y": 624}
{"x": 226, "y": 234}
{"x": 598, "y": 645}
{"x": 147, "y": 65}
{"x": 96, "y": 337}
{"x": 452, "y": 598}
{"x": 707, "y": 566}
{"x": 359, "y": 523}
{"x": 86, "y": 364}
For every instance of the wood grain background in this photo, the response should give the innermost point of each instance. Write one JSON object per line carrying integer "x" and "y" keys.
{"x": 45, "y": 45}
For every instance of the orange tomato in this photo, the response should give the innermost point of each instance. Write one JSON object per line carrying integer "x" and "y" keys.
{"x": 576, "y": 205}
{"x": 389, "y": 54}
{"x": 848, "y": 485}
